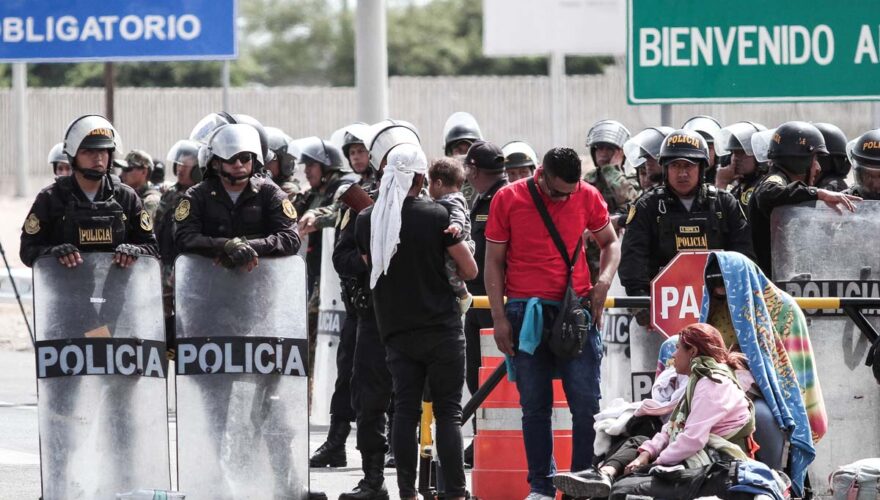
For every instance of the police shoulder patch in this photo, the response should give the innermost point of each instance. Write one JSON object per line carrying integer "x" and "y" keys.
{"x": 288, "y": 209}
{"x": 632, "y": 214}
{"x": 32, "y": 224}
{"x": 746, "y": 196}
{"x": 776, "y": 179}
{"x": 146, "y": 221}
{"x": 182, "y": 210}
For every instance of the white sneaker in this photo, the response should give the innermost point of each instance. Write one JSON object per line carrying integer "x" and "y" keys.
{"x": 538, "y": 496}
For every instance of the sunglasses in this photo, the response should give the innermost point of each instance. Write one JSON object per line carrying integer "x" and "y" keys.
{"x": 240, "y": 157}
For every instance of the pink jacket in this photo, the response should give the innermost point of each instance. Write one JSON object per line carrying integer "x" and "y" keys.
{"x": 715, "y": 408}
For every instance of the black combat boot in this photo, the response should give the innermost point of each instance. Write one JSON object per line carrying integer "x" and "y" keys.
{"x": 332, "y": 452}
{"x": 372, "y": 486}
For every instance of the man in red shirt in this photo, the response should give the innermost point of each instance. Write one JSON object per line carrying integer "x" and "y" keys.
{"x": 524, "y": 264}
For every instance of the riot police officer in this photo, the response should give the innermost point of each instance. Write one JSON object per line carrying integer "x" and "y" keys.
{"x": 459, "y": 132}
{"x": 736, "y": 139}
{"x": 281, "y": 167}
{"x": 325, "y": 170}
{"x": 641, "y": 153}
{"x": 485, "y": 168}
{"x": 685, "y": 213}
{"x": 709, "y": 128}
{"x": 58, "y": 161}
{"x": 835, "y": 166}
{"x": 232, "y": 215}
{"x": 183, "y": 158}
{"x": 520, "y": 161}
{"x": 331, "y": 453}
{"x": 88, "y": 211}
{"x": 605, "y": 141}
{"x": 371, "y": 383}
{"x": 793, "y": 149}
{"x": 137, "y": 168}
{"x": 866, "y": 159}
{"x": 236, "y": 217}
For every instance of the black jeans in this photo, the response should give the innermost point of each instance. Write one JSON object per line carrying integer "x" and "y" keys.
{"x": 442, "y": 366}
{"x": 370, "y": 386}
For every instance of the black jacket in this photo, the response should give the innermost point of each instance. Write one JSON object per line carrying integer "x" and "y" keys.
{"x": 62, "y": 213}
{"x": 775, "y": 190}
{"x": 658, "y": 226}
{"x": 206, "y": 219}
{"x": 479, "y": 218}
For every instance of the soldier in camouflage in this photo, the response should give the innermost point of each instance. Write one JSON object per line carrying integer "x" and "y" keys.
{"x": 136, "y": 170}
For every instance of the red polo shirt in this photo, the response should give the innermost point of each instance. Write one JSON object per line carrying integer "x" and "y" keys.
{"x": 534, "y": 266}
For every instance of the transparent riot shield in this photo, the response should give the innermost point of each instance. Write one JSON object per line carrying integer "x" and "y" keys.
{"x": 331, "y": 316}
{"x": 101, "y": 368}
{"x": 820, "y": 253}
{"x": 242, "y": 385}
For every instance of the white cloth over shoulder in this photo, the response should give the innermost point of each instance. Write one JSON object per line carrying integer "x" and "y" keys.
{"x": 404, "y": 161}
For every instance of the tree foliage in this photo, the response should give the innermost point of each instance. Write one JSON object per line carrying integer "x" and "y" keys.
{"x": 312, "y": 42}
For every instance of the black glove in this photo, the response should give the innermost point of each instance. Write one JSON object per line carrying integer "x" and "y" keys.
{"x": 63, "y": 250}
{"x": 239, "y": 251}
{"x": 128, "y": 249}
{"x": 643, "y": 317}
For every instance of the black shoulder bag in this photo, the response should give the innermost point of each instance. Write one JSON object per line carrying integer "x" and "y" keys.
{"x": 567, "y": 337}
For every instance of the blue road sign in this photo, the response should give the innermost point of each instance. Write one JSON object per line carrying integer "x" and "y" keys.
{"x": 105, "y": 30}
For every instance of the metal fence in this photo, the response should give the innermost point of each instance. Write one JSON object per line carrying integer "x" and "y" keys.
{"x": 507, "y": 108}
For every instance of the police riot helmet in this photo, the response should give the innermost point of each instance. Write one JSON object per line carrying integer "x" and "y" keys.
{"x": 157, "y": 177}
{"x": 278, "y": 141}
{"x": 354, "y": 134}
{"x": 760, "y": 142}
{"x": 646, "y": 143}
{"x": 56, "y": 156}
{"x": 610, "y": 132}
{"x": 706, "y": 126}
{"x": 206, "y": 126}
{"x": 268, "y": 155}
{"x": 836, "y": 162}
{"x": 738, "y": 137}
{"x": 226, "y": 142}
{"x": 385, "y": 135}
{"x": 181, "y": 150}
{"x": 518, "y": 154}
{"x": 684, "y": 145}
{"x": 460, "y": 126}
{"x": 90, "y": 132}
{"x": 794, "y": 144}
{"x": 317, "y": 150}
{"x": 866, "y": 160}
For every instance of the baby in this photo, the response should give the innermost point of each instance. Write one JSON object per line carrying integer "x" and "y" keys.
{"x": 446, "y": 176}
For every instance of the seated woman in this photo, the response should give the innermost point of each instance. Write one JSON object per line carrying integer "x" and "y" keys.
{"x": 714, "y": 418}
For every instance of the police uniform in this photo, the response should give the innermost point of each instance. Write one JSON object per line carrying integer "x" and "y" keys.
{"x": 775, "y": 190}
{"x": 206, "y": 219}
{"x": 62, "y": 213}
{"x": 475, "y": 319}
{"x": 659, "y": 226}
{"x": 744, "y": 190}
{"x": 371, "y": 384}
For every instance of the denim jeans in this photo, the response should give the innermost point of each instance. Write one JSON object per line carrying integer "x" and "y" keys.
{"x": 534, "y": 380}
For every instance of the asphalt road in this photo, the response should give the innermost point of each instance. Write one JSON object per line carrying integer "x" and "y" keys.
{"x": 19, "y": 438}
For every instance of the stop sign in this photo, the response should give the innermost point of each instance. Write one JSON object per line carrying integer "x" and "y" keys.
{"x": 677, "y": 292}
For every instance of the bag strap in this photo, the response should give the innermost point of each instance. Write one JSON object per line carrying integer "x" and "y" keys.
{"x": 551, "y": 228}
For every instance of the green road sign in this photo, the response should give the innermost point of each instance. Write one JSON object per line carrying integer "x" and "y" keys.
{"x": 689, "y": 51}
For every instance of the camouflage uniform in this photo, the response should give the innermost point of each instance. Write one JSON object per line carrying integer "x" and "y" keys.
{"x": 618, "y": 193}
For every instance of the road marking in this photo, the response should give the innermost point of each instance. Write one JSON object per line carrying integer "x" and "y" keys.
{"x": 12, "y": 457}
